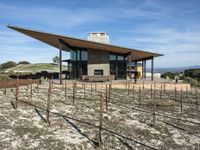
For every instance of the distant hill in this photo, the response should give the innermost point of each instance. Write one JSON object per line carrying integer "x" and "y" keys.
{"x": 33, "y": 68}
{"x": 173, "y": 69}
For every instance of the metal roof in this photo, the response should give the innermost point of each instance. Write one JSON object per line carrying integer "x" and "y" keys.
{"x": 54, "y": 40}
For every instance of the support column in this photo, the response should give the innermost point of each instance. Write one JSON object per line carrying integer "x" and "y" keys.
{"x": 152, "y": 63}
{"x": 145, "y": 69}
{"x": 142, "y": 69}
{"x": 129, "y": 60}
{"x": 60, "y": 56}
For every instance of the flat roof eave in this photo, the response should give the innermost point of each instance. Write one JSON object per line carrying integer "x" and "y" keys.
{"x": 54, "y": 40}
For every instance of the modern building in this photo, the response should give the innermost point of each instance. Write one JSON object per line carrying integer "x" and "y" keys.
{"x": 95, "y": 56}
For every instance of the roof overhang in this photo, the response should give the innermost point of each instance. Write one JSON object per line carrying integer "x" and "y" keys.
{"x": 54, "y": 40}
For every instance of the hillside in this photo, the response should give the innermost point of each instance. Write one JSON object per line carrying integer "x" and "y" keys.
{"x": 36, "y": 68}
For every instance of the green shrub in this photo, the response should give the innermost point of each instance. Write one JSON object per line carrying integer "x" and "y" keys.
{"x": 7, "y": 65}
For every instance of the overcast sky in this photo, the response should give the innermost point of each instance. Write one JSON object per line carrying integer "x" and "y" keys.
{"x": 170, "y": 27}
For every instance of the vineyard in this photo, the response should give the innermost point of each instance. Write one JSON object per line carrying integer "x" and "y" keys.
{"x": 96, "y": 115}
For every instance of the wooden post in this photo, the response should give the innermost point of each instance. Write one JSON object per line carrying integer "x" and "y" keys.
{"x": 151, "y": 92}
{"x": 17, "y": 92}
{"x": 154, "y": 107}
{"x": 186, "y": 92}
{"x": 181, "y": 101}
{"x": 128, "y": 87}
{"x": 126, "y": 84}
{"x": 95, "y": 86}
{"x": 164, "y": 87}
{"x": 65, "y": 89}
{"x": 48, "y": 103}
{"x": 161, "y": 91}
{"x": 74, "y": 92}
{"x": 100, "y": 120}
{"x": 84, "y": 90}
{"x": 31, "y": 90}
{"x": 175, "y": 93}
{"x": 109, "y": 92}
{"x": 133, "y": 91}
{"x": 143, "y": 86}
{"x": 5, "y": 86}
{"x": 91, "y": 88}
{"x": 106, "y": 99}
{"x": 37, "y": 87}
{"x": 139, "y": 96}
{"x": 196, "y": 95}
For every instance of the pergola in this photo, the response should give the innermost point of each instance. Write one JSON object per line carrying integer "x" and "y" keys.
{"x": 66, "y": 43}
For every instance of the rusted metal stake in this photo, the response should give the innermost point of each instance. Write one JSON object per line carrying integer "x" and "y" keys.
{"x": 5, "y": 86}
{"x": 91, "y": 88}
{"x": 181, "y": 101}
{"x": 110, "y": 92}
{"x": 65, "y": 89}
{"x": 139, "y": 96}
{"x": 17, "y": 92}
{"x": 74, "y": 85}
{"x": 154, "y": 107}
{"x": 31, "y": 90}
{"x": 84, "y": 90}
{"x": 128, "y": 87}
{"x": 49, "y": 103}
{"x": 151, "y": 92}
{"x": 133, "y": 91}
{"x": 101, "y": 121}
{"x": 175, "y": 92}
{"x": 196, "y": 96}
{"x": 106, "y": 99}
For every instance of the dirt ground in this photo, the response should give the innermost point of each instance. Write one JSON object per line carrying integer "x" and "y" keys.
{"x": 129, "y": 123}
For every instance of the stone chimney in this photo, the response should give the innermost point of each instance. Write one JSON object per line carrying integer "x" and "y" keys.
{"x": 101, "y": 37}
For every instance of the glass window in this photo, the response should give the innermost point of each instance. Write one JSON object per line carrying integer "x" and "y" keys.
{"x": 73, "y": 55}
{"x": 112, "y": 57}
{"x": 84, "y": 55}
{"x": 120, "y": 57}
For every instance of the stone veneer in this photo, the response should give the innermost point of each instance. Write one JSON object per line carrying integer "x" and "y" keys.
{"x": 98, "y": 60}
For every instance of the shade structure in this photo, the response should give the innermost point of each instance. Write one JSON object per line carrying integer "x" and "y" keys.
{"x": 71, "y": 42}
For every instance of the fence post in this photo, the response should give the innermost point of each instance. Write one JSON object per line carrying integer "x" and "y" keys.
{"x": 101, "y": 121}
{"x": 65, "y": 89}
{"x": 74, "y": 84}
{"x": 37, "y": 87}
{"x": 31, "y": 91}
{"x": 106, "y": 99}
{"x": 186, "y": 92}
{"x": 181, "y": 101}
{"x": 84, "y": 90}
{"x": 139, "y": 96}
{"x": 109, "y": 92}
{"x": 48, "y": 103}
{"x": 164, "y": 88}
{"x": 154, "y": 107}
{"x": 143, "y": 86}
{"x": 196, "y": 96}
{"x": 91, "y": 88}
{"x": 128, "y": 87}
{"x": 17, "y": 92}
{"x": 151, "y": 92}
{"x": 5, "y": 86}
{"x": 133, "y": 91}
{"x": 175, "y": 93}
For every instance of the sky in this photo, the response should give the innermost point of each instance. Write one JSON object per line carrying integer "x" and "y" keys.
{"x": 169, "y": 27}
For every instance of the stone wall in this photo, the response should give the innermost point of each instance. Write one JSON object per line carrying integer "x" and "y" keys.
{"x": 98, "y": 60}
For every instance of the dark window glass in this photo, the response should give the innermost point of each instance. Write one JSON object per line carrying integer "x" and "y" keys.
{"x": 98, "y": 72}
{"x": 120, "y": 57}
{"x": 73, "y": 55}
{"x": 84, "y": 55}
{"x": 112, "y": 57}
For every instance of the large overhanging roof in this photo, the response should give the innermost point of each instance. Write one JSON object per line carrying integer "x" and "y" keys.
{"x": 54, "y": 40}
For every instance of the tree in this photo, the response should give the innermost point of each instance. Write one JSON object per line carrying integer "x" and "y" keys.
{"x": 56, "y": 59}
{"x": 9, "y": 64}
{"x": 23, "y": 62}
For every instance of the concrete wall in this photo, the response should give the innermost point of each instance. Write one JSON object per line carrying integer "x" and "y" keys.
{"x": 98, "y": 60}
